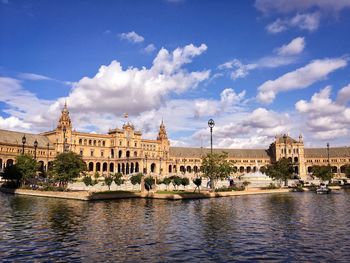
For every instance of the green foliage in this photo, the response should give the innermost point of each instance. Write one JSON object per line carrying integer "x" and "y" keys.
{"x": 149, "y": 182}
{"x": 322, "y": 172}
{"x": 271, "y": 187}
{"x": 230, "y": 189}
{"x": 215, "y": 166}
{"x": 281, "y": 170}
{"x": 347, "y": 170}
{"x": 87, "y": 180}
{"x": 12, "y": 173}
{"x": 263, "y": 169}
{"x": 176, "y": 180}
{"x": 109, "y": 181}
{"x": 24, "y": 169}
{"x": 185, "y": 181}
{"x": 166, "y": 181}
{"x": 67, "y": 166}
{"x": 136, "y": 179}
{"x": 96, "y": 175}
{"x": 197, "y": 181}
{"x": 118, "y": 179}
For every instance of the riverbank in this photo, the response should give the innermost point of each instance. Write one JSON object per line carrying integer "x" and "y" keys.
{"x": 109, "y": 195}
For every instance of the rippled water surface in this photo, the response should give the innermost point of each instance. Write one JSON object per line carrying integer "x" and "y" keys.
{"x": 277, "y": 227}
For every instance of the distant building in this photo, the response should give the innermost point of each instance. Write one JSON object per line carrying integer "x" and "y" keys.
{"x": 124, "y": 151}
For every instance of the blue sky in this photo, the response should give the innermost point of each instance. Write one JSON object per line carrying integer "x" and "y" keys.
{"x": 258, "y": 68}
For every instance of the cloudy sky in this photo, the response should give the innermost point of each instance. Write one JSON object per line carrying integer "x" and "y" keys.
{"x": 258, "y": 68}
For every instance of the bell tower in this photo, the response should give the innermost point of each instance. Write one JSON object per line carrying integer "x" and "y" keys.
{"x": 64, "y": 130}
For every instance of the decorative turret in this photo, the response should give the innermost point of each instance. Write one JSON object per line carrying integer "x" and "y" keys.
{"x": 64, "y": 122}
{"x": 162, "y": 132}
{"x": 300, "y": 138}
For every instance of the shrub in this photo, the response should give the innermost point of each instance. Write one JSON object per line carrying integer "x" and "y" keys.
{"x": 118, "y": 179}
{"x": 185, "y": 181}
{"x": 87, "y": 180}
{"x": 271, "y": 186}
{"x": 149, "y": 182}
{"x": 136, "y": 179}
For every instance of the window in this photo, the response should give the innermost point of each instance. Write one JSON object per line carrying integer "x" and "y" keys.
{"x": 91, "y": 152}
{"x": 80, "y": 141}
{"x": 103, "y": 143}
{"x": 135, "y": 144}
{"x": 81, "y": 152}
{"x": 90, "y": 142}
{"x": 102, "y": 153}
{"x": 120, "y": 143}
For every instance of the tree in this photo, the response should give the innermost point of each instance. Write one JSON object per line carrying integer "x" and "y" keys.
{"x": 136, "y": 179}
{"x": 87, "y": 180}
{"x": 185, "y": 181}
{"x": 118, "y": 179}
{"x": 176, "y": 180}
{"x": 347, "y": 170}
{"x": 215, "y": 166}
{"x": 149, "y": 182}
{"x": 109, "y": 181}
{"x": 66, "y": 167}
{"x": 24, "y": 169}
{"x": 166, "y": 181}
{"x": 281, "y": 170}
{"x": 323, "y": 172}
{"x": 96, "y": 176}
{"x": 198, "y": 183}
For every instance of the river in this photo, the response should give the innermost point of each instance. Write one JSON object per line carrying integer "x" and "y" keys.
{"x": 289, "y": 227}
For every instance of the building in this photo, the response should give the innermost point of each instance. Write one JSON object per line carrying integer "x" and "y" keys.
{"x": 125, "y": 151}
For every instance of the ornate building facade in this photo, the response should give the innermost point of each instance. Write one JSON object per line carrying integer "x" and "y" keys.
{"x": 125, "y": 151}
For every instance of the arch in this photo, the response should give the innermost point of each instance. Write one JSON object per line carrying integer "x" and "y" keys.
{"x": 127, "y": 154}
{"x": 119, "y": 168}
{"x": 99, "y": 143}
{"x": 170, "y": 168}
{"x": 80, "y": 141}
{"x": 309, "y": 169}
{"x": 195, "y": 169}
{"x": 290, "y": 159}
{"x": 94, "y": 142}
{"x": 90, "y": 142}
{"x": 296, "y": 169}
{"x": 98, "y": 167}
{"x": 135, "y": 153}
{"x": 241, "y": 169}
{"x": 127, "y": 169}
{"x": 49, "y": 165}
{"x": 120, "y": 154}
{"x": 103, "y": 143}
{"x": 334, "y": 169}
{"x": 137, "y": 167}
{"x": 296, "y": 159}
{"x": 104, "y": 167}
{"x": 123, "y": 168}
{"x": 111, "y": 167}
{"x": 182, "y": 169}
{"x": 9, "y": 162}
{"x": 91, "y": 166}
{"x": 249, "y": 169}
{"x": 235, "y": 168}
{"x": 189, "y": 169}
{"x": 153, "y": 167}
{"x": 174, "y": 169}
{"x": 254, "y": 169}
{"x": 85, "y": 142}
{"x": 132, "y": 168}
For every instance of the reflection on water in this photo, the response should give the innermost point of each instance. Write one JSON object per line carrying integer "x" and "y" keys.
{"x": 277, "y": 227}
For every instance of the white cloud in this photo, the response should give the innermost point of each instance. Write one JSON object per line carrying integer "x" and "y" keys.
{"x": 287, "y": 6}
{"x": 325, "y": 119}
{"x": 32, "y": 76}
{"x": 132, "y": 37}
{"x": 13, "y": 123}
{"x": 150, "y": 48}
{"x": 344, "y": 95}
{"x": 135, "y": 90}
{"x": 295, "y": 47}
{"x": 300, "y": 78}
{"x": 287, "y": 54}
{"x": 307, "y": 21}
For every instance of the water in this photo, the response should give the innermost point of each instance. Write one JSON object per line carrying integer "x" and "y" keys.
{"x": 278, "y": 227}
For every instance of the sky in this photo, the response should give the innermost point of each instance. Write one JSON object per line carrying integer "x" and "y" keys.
{"x": 258, "y": 68}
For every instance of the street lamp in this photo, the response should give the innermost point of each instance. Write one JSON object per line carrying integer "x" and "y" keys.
{"x": 47, "y": 156}
{"x": 23, "y": 143}
{"x": 35, "y": 146}
{"x": 329, "y": 163}
{"x": 285, "y": 145}
{"x": 211, "y": 124}
{"x": 64, "y": 138}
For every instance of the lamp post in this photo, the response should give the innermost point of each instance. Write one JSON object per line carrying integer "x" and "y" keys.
{"x": 285, "y": 145}
{"x": 23, "y": 143}
{"x": 47, "y": 156}
{"x": 35, "y": 146}
{"x": 329, "y": 163}
{"x": 211, "y": 124}
{"x": 146, "y": 157}
{"x": 176, "y": 166}
{"x": 64, "y": 138}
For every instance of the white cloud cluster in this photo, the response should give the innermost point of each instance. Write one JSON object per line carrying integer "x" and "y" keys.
{"x": 285, "y": 55}
{"x": 307, "y": 21}
{"x": 149, "y": 48}
{"x": 135, "y": 90}
{"x": 132, "y": 37}
{"x": 300, "y": 78}
{"x": 326, "y": 119}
